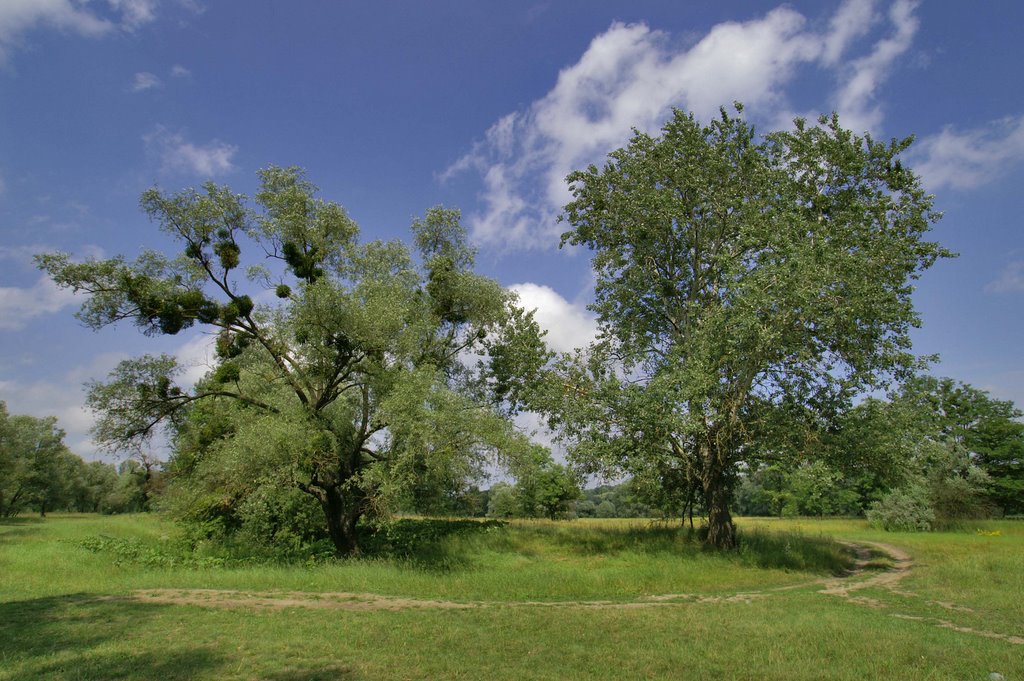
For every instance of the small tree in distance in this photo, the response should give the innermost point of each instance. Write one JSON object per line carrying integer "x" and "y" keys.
{"x": 747, "y": 288}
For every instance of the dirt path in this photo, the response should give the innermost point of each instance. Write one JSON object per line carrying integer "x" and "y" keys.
{"x": 846, "y": 588}
{"x": 889, "y": 580}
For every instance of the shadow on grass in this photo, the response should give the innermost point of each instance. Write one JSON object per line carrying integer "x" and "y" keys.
{"x": 757, "y": 548}
{"x": 16, "y": 533}
{"x": 794, "y": 551}
{"x": 450, "y": 545}
{"x": 84, "y": 637}
{"x": 81, "y": 637}
{"x": 21, "y": 521}
{"x": 434, "y": 544}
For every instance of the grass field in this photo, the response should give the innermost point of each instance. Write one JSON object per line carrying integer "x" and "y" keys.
{"x": 87, "y": 597}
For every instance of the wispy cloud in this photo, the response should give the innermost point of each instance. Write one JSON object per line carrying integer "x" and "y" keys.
{"x": 135, "y": 13}
{"x": 1010, "y": 280}
{"x": 179, "y": 71}
{"x": 969, "y": 158}
{"x": 857, "y": 99}
{"x": 632, "y": 76}
{"x": 20, "y": 17}
{"x": 63, "y": 398}
{"x": 18, "y": 306}
{"x": 144, "y": 81}
{"x": 178, "y": 155}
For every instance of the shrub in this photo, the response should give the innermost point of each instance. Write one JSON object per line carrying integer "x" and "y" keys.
{"x": 903, "y": 510}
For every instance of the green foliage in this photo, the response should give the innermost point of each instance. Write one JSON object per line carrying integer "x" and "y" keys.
{"x": 941, "y": 438}
{"x": 629, "y": 499}
{"x": 501, "y": 502}
{"x": 350, "y": 388}
{"x": 908, "y": 509}
{"x": 543, "y": 488}
{"x": 987, "y": 429}
{"x": 38, "y": 472}
{"x": 747, "y": 288}
{"x": 810, "y": 489}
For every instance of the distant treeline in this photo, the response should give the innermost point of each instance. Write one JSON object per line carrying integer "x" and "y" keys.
{"x": 38, "y": 473}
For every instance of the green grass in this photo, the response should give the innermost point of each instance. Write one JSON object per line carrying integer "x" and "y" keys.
{"x": 65, "y": 610}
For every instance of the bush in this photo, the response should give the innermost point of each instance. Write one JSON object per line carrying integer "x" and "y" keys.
{"x": 903, "y": 510}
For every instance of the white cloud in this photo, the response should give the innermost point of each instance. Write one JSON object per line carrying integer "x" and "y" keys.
{"x": 852, "y": 21}
{"x": 1011, "y": 279}
{"x": 856, "y": 99}
{"x": 134, "y": 13}
{"x": 64, "y": 399}
{"x": 179, "y": 71}
{"x": 178, "y": 155}
{"x": 962, "y": 160}
{"x": 197, "y": 356}
{"x": 569, "y": 325}
{"x": 144, "y": 81}
{"x": 18, "y": 17}
{"x": 631, "y": 77}
{"x": 18, "y": 306}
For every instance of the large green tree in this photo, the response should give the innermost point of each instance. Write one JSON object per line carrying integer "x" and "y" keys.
{"x": 351, "y": 387}
{"x": 746, "y": 287}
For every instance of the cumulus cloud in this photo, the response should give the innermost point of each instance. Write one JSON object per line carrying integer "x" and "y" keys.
{"x": 178, "y": 155}
{"x": 18, "y": 306}
{"x": 569, "y": 325}
{"x": 18, "y": 17}
{"x": 144, "y": 81}
{"x": 969, "y": 158}
{"x": 631, "y": 76}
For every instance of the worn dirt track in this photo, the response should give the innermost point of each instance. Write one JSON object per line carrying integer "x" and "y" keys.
{"x": 846, "y": 588}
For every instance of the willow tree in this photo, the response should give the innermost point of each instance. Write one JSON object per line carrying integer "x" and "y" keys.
{"x": 351, "y": 386}
{"x": 746, "y": 288}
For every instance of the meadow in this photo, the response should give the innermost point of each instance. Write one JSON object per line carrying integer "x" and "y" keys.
{"x": 90, "y": 597}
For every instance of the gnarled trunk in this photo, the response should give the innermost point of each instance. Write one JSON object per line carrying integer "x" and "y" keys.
{"x": 717, "y": 484}
{"x": 721, "y": 531}
{"x": 342, "y": 512}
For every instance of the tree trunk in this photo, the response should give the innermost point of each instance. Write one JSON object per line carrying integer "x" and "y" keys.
{"x": 342, "y": 512}
{"x": 717, "y": 490}
{"x": 721, "y": 531}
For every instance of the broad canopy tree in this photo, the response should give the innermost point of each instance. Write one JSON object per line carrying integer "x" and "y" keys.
{"x": 746, "y": 288}
{"x": 350, "y": 387}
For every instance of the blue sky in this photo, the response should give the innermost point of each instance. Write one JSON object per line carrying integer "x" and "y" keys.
{"x": 394, "y": 107}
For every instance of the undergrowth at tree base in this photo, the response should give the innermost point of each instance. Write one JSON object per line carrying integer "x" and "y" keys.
{"x": 437, "y": 544}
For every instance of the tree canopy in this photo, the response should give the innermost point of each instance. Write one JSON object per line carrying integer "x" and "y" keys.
{"x": 747, "y": 287}
{"x": 342, "y": 367}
